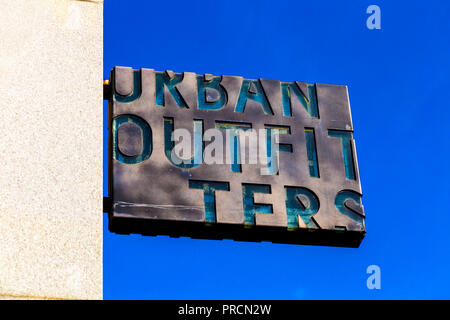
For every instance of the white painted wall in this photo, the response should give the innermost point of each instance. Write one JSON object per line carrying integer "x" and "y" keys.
{"x": 51, "y": 54}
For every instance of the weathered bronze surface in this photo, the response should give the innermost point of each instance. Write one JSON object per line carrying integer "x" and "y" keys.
{"x": 315, "y": 197}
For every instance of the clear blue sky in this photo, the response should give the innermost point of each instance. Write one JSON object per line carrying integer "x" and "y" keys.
{"x": 399, "y": 86}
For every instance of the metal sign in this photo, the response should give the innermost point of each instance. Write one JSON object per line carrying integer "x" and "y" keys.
{"x": 227, "y": 157}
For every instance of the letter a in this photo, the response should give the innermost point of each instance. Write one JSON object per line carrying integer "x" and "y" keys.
{"x": 373, "y": 21}
{"x": 374, "y": 280}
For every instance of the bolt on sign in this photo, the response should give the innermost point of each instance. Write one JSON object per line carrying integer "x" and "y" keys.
{"x": 226, "y": 157}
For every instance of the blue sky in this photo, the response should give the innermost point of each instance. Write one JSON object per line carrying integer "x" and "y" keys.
{"x": 399, "y": 93}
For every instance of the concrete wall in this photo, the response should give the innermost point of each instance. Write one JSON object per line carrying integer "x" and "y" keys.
{"x": 51, "y": 149}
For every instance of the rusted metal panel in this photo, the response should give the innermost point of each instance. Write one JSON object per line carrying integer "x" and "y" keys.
{"x": 313, "y": 198}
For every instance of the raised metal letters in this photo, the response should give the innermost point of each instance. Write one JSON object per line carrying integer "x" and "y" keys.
{"x": 312, "y": 195}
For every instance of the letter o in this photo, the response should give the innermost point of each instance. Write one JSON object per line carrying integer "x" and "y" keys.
{"x": 146, "y": 134}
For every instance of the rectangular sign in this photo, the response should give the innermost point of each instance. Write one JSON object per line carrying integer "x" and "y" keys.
{"x": 226, "y": 157}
